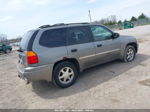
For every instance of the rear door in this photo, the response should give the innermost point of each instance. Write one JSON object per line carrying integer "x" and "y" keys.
{"x": 107, "y": 48}
{"x": 80, "y": 45}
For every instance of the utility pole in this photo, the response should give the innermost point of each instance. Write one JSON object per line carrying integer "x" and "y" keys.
{"x": 90, "y": 16}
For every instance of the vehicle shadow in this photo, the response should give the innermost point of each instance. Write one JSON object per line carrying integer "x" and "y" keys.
{"x": 88, "y": 79}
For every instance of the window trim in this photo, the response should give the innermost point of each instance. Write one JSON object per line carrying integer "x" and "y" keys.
{"x": 88, "y": 31}
{"x": 102, "y": 27}
{"x": 53, "y": 46}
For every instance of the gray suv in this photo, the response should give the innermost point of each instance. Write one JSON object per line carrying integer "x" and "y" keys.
{"x": 59, "y": 52}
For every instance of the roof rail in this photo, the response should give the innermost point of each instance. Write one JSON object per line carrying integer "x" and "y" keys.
{"x": 79, "y": 23}
{"x": 60, "y": 24}
{"x": 45, "y": 26}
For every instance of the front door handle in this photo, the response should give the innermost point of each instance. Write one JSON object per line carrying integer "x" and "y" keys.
{"x": 74, "y": 50}
{"x": 99, "y": 45}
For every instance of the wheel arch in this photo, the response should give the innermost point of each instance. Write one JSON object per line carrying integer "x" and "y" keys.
{"x": 71, "y": 60}
{"x": 134, "y": 44}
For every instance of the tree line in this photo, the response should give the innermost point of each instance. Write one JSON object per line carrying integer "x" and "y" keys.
{"x": 5, "y": 40}
{"x": 112, "y": 20}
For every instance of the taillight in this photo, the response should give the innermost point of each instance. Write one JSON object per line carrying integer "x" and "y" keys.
{"x": 32, "y": 57}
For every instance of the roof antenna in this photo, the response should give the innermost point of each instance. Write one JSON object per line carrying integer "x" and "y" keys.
{"x": 90, "y": 16}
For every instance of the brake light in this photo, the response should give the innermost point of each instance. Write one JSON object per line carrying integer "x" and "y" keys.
{"x": 32, "y": 57}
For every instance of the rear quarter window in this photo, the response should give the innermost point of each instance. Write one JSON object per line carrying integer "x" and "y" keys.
{"x": 54, "y": 38}
{"x": 27, "y": 40}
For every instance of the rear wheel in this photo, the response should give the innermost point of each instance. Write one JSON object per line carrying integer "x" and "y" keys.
{"x": 64, "y": 74}
{"x": 129, "y": 54}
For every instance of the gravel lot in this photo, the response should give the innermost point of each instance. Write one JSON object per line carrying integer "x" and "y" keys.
{"x": 114, "y": 85}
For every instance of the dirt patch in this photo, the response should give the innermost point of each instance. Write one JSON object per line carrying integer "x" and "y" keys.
{"x": 145, "y": 82}
{"x": 142, "y": 40}
{"x": 115, "y": 100}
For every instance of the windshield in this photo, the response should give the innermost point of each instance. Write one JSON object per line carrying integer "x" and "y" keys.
{"x": 25, "y": 40}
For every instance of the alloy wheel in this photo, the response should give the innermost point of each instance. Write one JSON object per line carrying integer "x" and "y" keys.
{"x": 66, "y": 75}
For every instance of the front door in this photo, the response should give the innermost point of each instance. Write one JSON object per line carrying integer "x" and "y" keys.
{"x": 106, "y": 47}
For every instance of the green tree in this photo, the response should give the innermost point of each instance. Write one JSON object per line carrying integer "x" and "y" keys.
{"x": 133, "y": 19}
{"x": 125, "y": 21}
{"x": 119, "y": 22}
{"x": 142, "y": 16}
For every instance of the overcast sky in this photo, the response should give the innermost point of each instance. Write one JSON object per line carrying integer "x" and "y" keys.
{"x": 19, "y": 16}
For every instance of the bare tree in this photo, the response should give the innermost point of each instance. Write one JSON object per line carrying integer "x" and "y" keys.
{"x": 3, "y": 39}
{"x": 112, "y": 19}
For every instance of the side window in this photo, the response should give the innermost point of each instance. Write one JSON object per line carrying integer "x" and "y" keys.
{"x": 100, "y": 33}
{"x": 78, "y": 35}
{"x": 54, "y": 38}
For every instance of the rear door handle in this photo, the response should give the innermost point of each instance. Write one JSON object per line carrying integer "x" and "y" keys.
{"x": 99, "y": 45}
{"x": 74, "y": 50}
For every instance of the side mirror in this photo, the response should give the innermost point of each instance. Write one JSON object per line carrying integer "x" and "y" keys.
{"x": 115, "y": 35}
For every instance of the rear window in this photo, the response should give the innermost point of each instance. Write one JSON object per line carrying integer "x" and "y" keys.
{"x": 54, "y": 38}
{"x": 27, "y": 40}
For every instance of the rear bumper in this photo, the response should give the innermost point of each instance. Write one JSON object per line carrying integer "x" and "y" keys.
{"x": 43, "y": 72}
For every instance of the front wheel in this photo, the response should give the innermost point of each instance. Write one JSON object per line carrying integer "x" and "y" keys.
{"x": 64, "y": 74}
{"x": 129, "y": 54}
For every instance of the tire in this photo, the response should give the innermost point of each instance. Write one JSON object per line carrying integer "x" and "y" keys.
{"x": 129, "y": 54}
{"x": 7, "y": 51}
{"x": 65, "y": 74}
